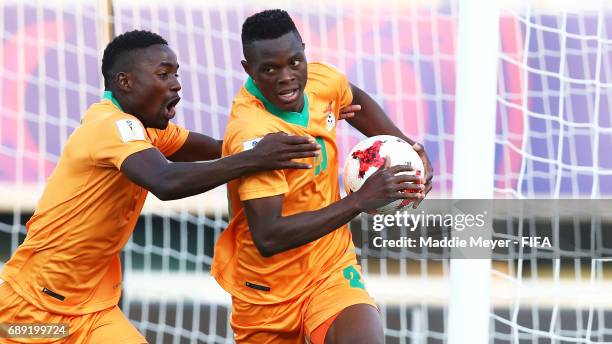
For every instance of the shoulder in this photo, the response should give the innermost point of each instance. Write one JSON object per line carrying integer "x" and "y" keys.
{"x": 324, "y": 71}
{"x": 248, "y": 117}
{"x": 326, "y": 80}
{"x": 248, "y": 123}
{"x": 242, "y": 134}
{"x": 104, "y": 119}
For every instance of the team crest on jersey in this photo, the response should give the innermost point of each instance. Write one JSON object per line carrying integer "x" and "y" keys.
{"x": 250, "y": 144}
{"x": 331, "y": 119}
{"x": 130, "y": 130}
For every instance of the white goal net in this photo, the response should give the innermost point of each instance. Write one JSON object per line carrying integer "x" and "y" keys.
{"x": 554, "y": 112}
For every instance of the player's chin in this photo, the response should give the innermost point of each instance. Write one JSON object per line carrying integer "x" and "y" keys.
{"x": 291, "y": 106}
{"x": 161, "y": 123}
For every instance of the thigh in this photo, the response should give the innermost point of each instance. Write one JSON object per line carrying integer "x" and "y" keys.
{"x": 266, "y": 324}
{"x": 110, "y": 326}
{"x": 341, "y": 297}
{"x": 360, "y": 316}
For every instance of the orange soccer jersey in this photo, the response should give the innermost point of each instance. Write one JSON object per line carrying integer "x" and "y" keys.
{"x": 69, "y": 262}
{"x": 237, "y": 265}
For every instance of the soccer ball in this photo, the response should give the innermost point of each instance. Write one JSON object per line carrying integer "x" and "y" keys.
{"x": 369, "y": 155}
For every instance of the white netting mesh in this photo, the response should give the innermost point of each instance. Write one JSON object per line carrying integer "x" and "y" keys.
{"x": 553, "y": 130}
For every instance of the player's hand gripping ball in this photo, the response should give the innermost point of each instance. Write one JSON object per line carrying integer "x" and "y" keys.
{"x": 369, "y": 155}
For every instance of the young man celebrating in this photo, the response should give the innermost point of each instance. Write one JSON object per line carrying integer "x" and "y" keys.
{"x": 67, "y": 271}
{"x": 287, "y": 256}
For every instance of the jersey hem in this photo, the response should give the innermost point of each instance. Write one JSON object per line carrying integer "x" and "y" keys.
{"x": 65, "y": 310}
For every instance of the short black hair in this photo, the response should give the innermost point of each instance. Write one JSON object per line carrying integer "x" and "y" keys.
{"x": 268, "y": 24}
{"x": 123, "y": 44}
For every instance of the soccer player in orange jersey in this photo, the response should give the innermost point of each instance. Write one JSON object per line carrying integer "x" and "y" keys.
{"x": 287, "y": 256}
{"x": 67, "y": 270}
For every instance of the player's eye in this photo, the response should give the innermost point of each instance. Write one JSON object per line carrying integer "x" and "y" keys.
{"x": 295, "y": 62}
{"x": 163, "y": 76}
{"x": 269, "y": 70}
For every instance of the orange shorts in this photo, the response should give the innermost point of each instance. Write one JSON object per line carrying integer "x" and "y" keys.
{"x": 294, "y": 320}
{"x": 106, "y": 326}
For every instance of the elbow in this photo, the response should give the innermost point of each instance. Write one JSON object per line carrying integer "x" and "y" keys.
{"x": 266, "y": 253}
{"x": 266, "y": 246}
{"x": 265, "y": 250}
{"x": 164, "y": 191}
{"x": 161, "y": 193}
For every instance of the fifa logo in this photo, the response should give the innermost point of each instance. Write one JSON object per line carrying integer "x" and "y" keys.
{"x": 331, "y": 119}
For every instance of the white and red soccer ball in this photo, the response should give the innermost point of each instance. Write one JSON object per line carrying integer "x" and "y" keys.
{"x": 369, "y": 155}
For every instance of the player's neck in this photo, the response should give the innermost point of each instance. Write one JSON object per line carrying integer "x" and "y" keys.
{"x": 254, "y": 90}
{"x": 108, "y": 95}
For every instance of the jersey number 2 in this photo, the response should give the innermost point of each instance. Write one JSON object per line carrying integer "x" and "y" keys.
{"x": 353, "y": 276}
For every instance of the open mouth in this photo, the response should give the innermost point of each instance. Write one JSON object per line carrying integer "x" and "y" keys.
{"x": 171, "y": 107}
{"x": 289, "y": 95}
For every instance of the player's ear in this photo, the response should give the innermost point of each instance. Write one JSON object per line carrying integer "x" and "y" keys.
{"x": 124, "y": 81}
{"x": 245, "y": 66}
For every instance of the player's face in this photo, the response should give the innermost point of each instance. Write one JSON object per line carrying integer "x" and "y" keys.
{"x": 156, "y": 86}
{"x": 278, "y": 67}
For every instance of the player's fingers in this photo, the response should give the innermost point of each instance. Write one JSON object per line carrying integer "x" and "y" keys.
{"x": 346, "y": 115}
{"x": 299, "y": 155}
{"x": 296, "y": 165}
{"x": 421, "y": 152}
{"x": 416, "y": 203}
{"x": 304, "y": 147}
{"x": 429, "y": 177}
{"x": 278, "y": 133}
{"x": 350, "y": 109}
{"x": 400, "y": 168}
{"x": 403, "y": 178}
{"x": 407, "y": 195}
{"x": 387, "y": 162}
{"x": 428, "y": 187}
{"x": 409, "y": 187}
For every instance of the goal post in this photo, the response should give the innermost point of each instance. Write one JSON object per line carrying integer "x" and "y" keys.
{"x": 474, "y": 159}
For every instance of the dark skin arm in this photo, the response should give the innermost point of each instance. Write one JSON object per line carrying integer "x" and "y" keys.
{"x": 372, "y": 121}
{"x": 273, "y": 233}
{"x": 198, "y": 147}
{"x": 174, "y": 180}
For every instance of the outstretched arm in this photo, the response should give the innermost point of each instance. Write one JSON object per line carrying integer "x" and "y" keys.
{"x": 173, "y": 180}
{"x": 198, "y": 147}
{"x": 372, "y": 121}
{"x": 273, "y": 233}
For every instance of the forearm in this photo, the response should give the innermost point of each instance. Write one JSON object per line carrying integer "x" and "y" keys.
{"x": 292, "y": 231}
{"x": 198, "y": 147}
{"x": 372, "y": 119}
{"x": 184, "y": 179}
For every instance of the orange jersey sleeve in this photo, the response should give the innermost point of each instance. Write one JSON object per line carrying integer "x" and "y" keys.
{"x": 169, "y": 140}
{"x": 241, "y": 136}
{"x": 337, "y": 80}
{"x": 117, "y": 139}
